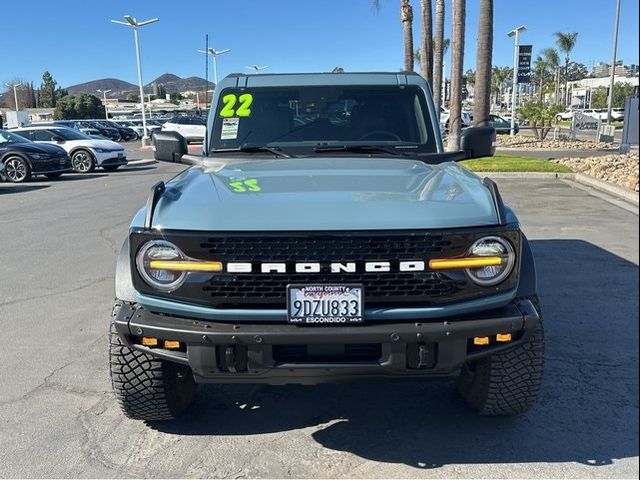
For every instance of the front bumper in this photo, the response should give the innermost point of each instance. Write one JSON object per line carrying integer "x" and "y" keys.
{"x": 283, "y": 353}
{"x": 110, "y": 159}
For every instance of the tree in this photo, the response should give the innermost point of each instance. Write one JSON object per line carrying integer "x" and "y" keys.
{"x": 175, "y": 98}
{"x": 600, "y": 96}
{"x": 499, "y": 75}
{"x": 577, "y": 71}
{"x": 406, "y": 17}
{"x": 482, "y": 87}
{"x": 438, "y": 55}
{"x": 47, "y": 91}
{"x": 566, "y": 42}
{"x": 23, "y": 92}
{"x": 458, "y": 14}
{"x": 83, "y": 106}
{"x": 133, "y": 96}
{"x": 162, "y": 92}
{"x": 426, "y": 41}
{"x": 540, "y": 116}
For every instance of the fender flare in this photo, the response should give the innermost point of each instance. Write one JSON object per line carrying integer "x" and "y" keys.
{"x": 528, "y": 284}
{"x": 124, "y": 284}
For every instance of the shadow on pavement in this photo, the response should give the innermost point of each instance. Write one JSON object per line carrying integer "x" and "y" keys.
{"x": 587, "y": 412}
{"x": 18, "y": 188}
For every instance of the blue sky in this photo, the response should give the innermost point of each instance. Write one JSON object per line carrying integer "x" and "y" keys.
{"x": 75, "y": 41}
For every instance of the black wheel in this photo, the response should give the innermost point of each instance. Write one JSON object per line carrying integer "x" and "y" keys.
{"x": 53, "y": 175}
{"x": 147, "y": 388}
{"x": 110, "y": 168}
{"x": 17, "y": 169}
{"x": 82, "y": 161}
{"x": 506, "y": 383}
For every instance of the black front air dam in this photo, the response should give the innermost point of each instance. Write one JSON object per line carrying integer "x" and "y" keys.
{"x": 240, "y": 353}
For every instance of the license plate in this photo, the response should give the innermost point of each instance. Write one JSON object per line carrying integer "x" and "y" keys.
{"x": 325, "y": 304}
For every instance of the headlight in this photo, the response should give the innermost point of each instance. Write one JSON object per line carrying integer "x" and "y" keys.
{"x": 165, "y": 280}
{"x": 493, "y": 274}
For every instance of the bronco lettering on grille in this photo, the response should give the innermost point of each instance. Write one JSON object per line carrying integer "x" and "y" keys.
{"x": 333, "y": 267}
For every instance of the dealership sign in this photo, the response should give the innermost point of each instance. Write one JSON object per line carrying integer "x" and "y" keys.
{"x": 524, "y": 63}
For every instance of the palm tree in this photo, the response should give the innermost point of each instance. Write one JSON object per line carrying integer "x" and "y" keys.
{"x": 566, "y": 42}
{"x": 482, "y": 88}
{"x": 426, "y": 41}
{"x": 406, "y": 17}
{"x": 438, "y": 55}
{"x": 499, "y": 75}
{"x": 458, "y": 15}
{"x": 552, "y": 60}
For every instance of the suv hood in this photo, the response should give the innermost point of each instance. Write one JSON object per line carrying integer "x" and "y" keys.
{"x": 323, "y": 193}
{"x": 104, "y": 144}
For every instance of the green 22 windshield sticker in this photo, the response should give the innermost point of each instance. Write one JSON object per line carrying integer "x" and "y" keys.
{"x": 244, "y": 186}
{"x": 236, "y": 106}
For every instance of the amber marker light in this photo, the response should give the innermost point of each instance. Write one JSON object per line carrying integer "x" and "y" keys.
{"x": 467, "y": 262}
{"x": 185, "y": 266}
{"x": 149, "y": 342}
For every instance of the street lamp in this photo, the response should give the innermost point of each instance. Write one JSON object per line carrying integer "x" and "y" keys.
{"x": 104, "y": 96}
{"x": 257, "y": 68}
{"x": 515, "y": 33}
{"x": 15, "y": 93}
{"x": 612, "y": 80}
{"x": 214, "y": 55}
{"x": 135, "y": 24}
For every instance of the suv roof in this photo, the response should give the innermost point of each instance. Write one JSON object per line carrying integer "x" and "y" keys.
{"x": 320, "y": 79}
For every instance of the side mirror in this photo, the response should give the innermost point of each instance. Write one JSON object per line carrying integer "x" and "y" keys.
{"x": 478, "y": 142}
{"x": 170, "y": 146}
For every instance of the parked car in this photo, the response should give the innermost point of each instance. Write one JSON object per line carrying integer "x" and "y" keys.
{"x": 136, "y": 125}
{"x": 191, "y": 128}
{"x": 466, "y": 119}
{"x": 23, "y": 158}
{"x": 126, "y": 133}
{"x": 566, "y": 115}
{"x": 93, "y": 133}
{"x": 86, "y": 153}
{"x": 501, "y": 124}
{"x": 617, "y": 114}
{"x": 105, "y": 130}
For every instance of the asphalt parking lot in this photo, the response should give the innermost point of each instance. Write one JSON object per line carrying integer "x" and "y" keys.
{"x": 58, "y": 417}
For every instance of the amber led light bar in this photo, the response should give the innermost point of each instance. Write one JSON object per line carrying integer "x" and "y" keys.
{"x": 466, "y": 262}
{"x": 185, "y": 265}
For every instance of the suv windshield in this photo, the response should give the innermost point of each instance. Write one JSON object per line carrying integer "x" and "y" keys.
{"x": 311, "y": 116}
{"x": 8, "y": 138}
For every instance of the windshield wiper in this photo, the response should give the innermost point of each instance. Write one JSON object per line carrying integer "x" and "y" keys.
{"x": 360, "y": 149}
{"x": 254, "y": 148}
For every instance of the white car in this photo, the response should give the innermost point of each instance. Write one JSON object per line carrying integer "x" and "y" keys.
{"x": 136, "y": 125}
{"x": 193, "y": 129}
{"x": 86, "y": 152}
{"x": 566, "y": 115}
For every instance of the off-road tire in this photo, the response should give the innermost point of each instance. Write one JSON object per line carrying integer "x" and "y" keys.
{"x": 147, "y": 388}
{"x": 506, "y": 383}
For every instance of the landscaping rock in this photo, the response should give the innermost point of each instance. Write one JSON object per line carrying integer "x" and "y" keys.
{"x": 522, "y": 142}
{"x": 621, "y": 170}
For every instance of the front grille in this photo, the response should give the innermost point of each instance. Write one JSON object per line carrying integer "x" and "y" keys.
{"x": 382, "y": 289}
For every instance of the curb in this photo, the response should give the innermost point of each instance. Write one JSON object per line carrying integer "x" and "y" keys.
{"x": 606, "y": 187}
{"x": 139, "y": 163}
{"x": 615, "y": 191}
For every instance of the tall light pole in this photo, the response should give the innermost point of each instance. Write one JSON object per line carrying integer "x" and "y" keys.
{"x": 135, "y": 24}
{"x": 612, "y": 80}
{"x": 515, "y": 33}
{"x": 214, "y": 55}
{"x": 15, "y": 92}
{"x": 104, "y": 100}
